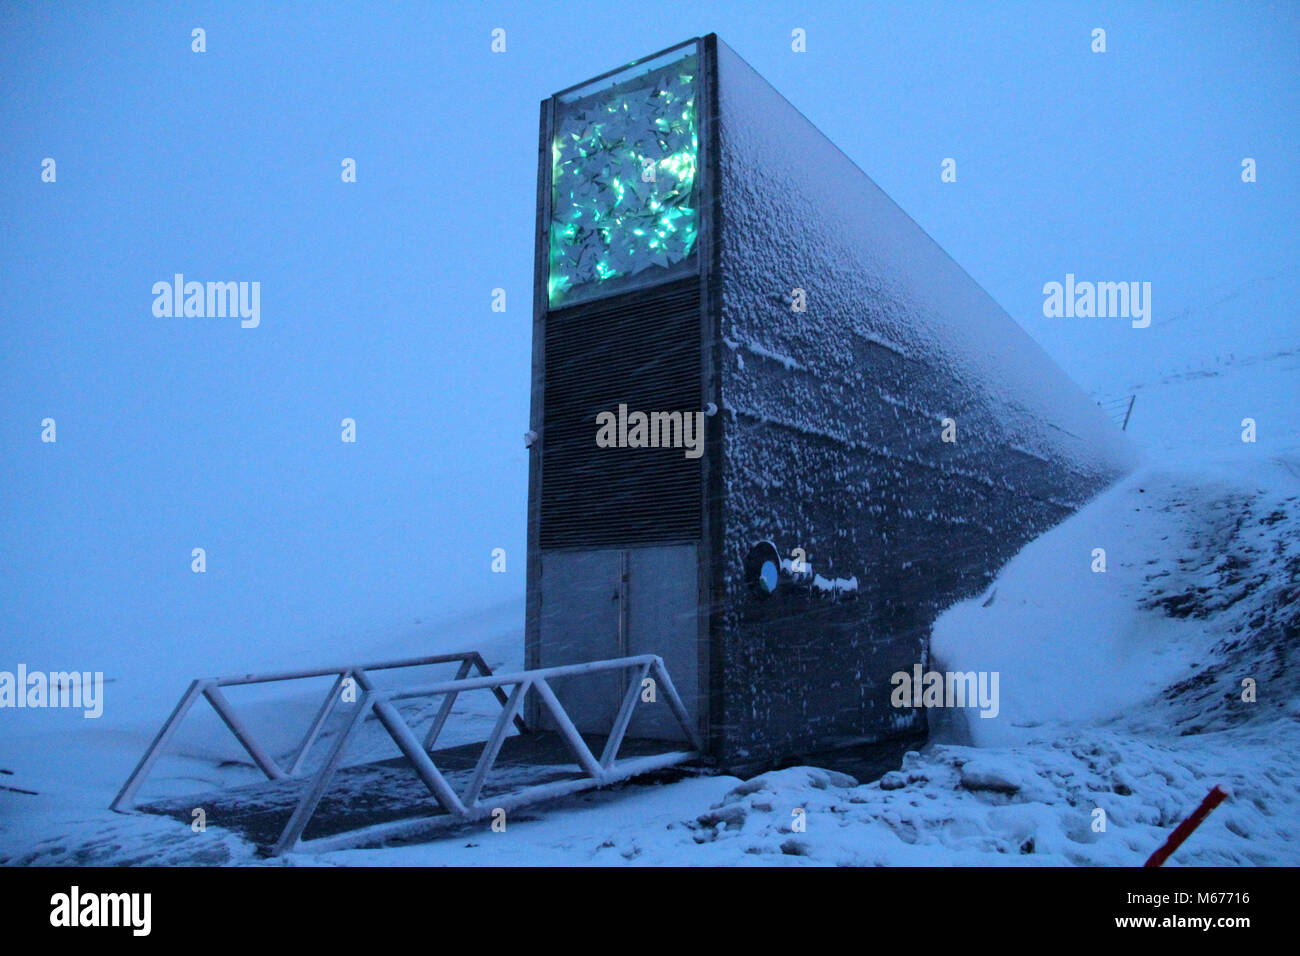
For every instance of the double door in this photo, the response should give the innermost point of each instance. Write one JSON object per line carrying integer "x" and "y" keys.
{"x": 617, "y": 602}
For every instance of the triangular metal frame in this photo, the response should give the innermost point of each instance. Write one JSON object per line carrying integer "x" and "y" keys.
{"x": 461, "y": 807}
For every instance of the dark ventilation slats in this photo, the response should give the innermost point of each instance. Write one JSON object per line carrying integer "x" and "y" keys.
{"x": 642, "y": 350}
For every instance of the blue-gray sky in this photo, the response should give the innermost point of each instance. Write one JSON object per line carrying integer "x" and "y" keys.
{"x": 177, "y": 433}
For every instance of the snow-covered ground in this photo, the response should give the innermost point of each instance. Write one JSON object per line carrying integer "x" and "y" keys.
{"x": 1119, "y": 691}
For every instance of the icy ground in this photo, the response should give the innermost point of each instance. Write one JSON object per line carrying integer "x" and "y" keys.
{"x": 1119, "y": 691}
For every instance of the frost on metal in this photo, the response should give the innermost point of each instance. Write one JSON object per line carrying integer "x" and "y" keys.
{"x": 832, "y": 432}
{"x": 623, "y": 181}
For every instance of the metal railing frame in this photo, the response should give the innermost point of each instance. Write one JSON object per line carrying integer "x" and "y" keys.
{"x": 458, "y": 808}
{"x": 1114, "y": 406}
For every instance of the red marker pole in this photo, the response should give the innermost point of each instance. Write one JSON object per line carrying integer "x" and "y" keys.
{"x": 1184, "y": 829}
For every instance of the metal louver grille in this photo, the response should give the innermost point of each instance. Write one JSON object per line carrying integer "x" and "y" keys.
{"x": 641, "y": 350}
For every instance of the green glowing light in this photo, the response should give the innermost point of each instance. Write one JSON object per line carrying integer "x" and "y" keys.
{"x": 623, "y": 179}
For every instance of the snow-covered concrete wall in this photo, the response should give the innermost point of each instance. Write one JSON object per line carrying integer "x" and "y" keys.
{"x": 835, "y": 419}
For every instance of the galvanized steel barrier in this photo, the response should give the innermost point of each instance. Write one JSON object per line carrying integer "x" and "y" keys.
{"x": 459, "y": 808}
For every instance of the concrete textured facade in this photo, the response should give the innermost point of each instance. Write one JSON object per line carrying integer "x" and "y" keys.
{"x": 877, "y": 426}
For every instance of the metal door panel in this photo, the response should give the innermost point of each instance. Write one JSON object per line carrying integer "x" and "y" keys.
{"x": 580, "y": 622}
{"x": 663, "y": 618}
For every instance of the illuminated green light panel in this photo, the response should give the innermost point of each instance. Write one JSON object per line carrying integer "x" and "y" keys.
{"x": 606, "y": 220}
